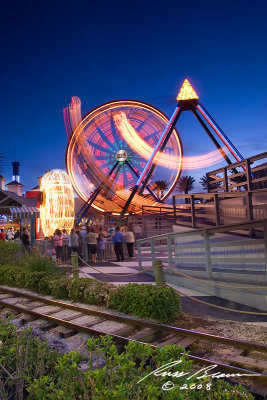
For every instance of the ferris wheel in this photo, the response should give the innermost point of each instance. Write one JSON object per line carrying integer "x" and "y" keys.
{"x": 123, "y": 153}
{"x": 108, "y": 150}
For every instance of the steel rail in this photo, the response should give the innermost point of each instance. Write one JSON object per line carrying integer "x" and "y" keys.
{"x": 123, "y": 340}
{"x": 138, "y": 322}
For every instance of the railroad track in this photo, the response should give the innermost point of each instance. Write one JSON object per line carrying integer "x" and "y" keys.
{"x": 72, "y": 319}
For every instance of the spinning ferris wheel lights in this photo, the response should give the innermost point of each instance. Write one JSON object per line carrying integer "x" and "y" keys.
{"x": 144, "y": 143}
{"x": 97, "y": 144}
{"x": 167, "y": 160}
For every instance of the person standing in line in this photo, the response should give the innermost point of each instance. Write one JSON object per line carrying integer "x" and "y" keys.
{"x": 10, "y": 235}
{"x": 118, "y": 240}
{"x": 58, "y": 244}
{"x": 2, "y": 236}
{"x": 100, "y": 244}
{"x": 83, "y": 231}
{"x": 73, "y": 241}
{"x": 64, "y": 234}
{"x": 17, "y": 235}
{"x": 83, "y": 234}
{"x": 65, "y": 248}
{"x": 138, "y": 232}
{"x": 80, "y": 244}
{"x": 130, "y": 240}
{"x": 91, "y": 238}
{"x": 25, "y": 239}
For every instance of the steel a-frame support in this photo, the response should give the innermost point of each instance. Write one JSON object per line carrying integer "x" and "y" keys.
{"x": 187, "y": 100}
{"x": 168, "y": 129}
{"x": 146, "y": 186}
{"x": 94, "y": 195}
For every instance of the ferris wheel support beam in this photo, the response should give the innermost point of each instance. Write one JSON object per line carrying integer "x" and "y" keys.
{"x": 154, "y": 165}
{"x": 94, "y": 195}
{"x": 224, "y": 138}
{"x": 220, "y": 133}
{"x": 137, "y": 175}
{"x": 211, "y": 136}
{"x": 169, "y": 127}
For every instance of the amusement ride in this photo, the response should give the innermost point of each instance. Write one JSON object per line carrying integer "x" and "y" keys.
{"x": 118, "y": 152}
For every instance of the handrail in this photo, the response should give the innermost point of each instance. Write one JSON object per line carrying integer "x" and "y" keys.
{"x": 240, "y": 163}
{"x": 225, "y": 228}
{"x": 223, "y": 194}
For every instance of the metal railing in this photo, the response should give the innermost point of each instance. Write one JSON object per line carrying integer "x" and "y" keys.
{"x": 216, "y": 253}
{"x": 220, "y": 208}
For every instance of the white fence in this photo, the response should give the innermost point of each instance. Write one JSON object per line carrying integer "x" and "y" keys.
{"x": 224, "y": 252}
{"x": 216, "y": 261}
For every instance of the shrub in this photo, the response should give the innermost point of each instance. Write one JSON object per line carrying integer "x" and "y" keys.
{"x": 162, "y": 304}
{"x": 59, "y": 287}
{"x": 9, "y": 252}
{"x": 44, "y": 284}
{"x": 12, "y": 275}
{"x": 89, "y": 290}
{"x": 24, "y": 356}
{"x": 39, "y": 373}
{"x": 35, "y": 262}
{"x": 118, "y": 379}
{"x": 76, "y": 288}
{"x": 32, "y": 279}
{"x": 97, "y": 292}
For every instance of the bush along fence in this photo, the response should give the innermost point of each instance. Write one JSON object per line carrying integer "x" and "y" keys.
{"x": 43, "y": 276}
{"x": 30, "y": 370}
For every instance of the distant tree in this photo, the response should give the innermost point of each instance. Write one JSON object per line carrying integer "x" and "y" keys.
{"x": 186, "y": 184}
{"x": 160, "y": 186}
{"x": 204, "y": 183}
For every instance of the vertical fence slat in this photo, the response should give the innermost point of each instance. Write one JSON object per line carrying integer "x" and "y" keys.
{"x": 208, "y": 264}
{"x": 170, "y": 258}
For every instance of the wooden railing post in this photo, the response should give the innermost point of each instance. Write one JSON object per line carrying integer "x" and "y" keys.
{"x": 249, "y": 206}
{"x": 248, "y": 170}
{"x": 217, "y": 210}
{"x": 193, "y": 214}
{"x": 174, "y": 209}
{"x": 225, "y": 180}
{"x": 208, "y": 264}
{"x": 207, "y": 180}
{"x": 158, "y": 272}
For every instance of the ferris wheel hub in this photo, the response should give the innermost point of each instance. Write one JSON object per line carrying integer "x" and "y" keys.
{"x": 121, "y": 156}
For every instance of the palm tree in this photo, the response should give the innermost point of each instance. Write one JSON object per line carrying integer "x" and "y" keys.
{"x": 185, "y": 184}
{"x": 160, "y": 186}
{"x": 204, "y": 181}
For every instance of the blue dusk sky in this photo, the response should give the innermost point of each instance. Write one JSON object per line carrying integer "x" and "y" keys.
{"x": 102, "y": 51}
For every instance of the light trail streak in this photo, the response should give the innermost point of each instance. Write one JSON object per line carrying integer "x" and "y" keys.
{"x": 143, "y": 148}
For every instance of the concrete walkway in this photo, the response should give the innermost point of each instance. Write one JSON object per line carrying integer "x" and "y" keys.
{"x": 120, "y": 276}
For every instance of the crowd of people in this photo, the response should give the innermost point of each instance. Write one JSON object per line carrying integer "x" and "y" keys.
{"x": 9, "y": 234}
{"x": 94, "y": 239}
{"x": 16, "y": 236}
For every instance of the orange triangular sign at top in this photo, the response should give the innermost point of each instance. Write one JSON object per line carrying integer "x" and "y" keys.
{"x": 187, "y": 92}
